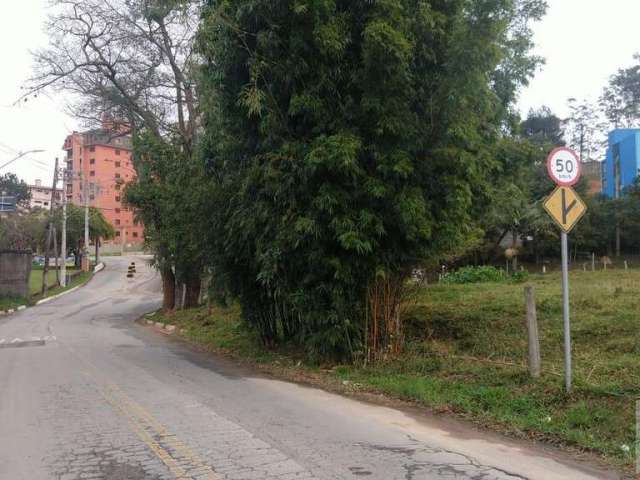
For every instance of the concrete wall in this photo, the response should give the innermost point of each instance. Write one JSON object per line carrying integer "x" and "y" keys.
{"x": 15, "y": 270}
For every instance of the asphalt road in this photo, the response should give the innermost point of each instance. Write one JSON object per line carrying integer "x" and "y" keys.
{"x": 87, "y": 393}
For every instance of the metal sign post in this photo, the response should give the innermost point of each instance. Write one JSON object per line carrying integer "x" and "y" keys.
{"x": 566, "y": 314}
{"x": 566, "y": 207}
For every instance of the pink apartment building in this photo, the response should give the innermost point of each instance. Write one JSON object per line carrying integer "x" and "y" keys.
{"x": 99, "y": 165}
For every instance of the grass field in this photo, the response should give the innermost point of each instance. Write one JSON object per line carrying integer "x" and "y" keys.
{"x": 35, "y": 285}
{"x": 35, "y": 281}
{"x": 466, "y": 353}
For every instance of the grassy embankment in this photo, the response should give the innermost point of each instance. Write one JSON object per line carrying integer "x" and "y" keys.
{"x": 35, "y": 285}
{"x": 466, "y": 352}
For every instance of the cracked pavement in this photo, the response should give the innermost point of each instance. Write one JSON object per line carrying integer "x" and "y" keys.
{"x": 101, "y": 397}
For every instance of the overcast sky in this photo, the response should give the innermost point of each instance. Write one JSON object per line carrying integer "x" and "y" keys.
{"x": 583, "y": 41}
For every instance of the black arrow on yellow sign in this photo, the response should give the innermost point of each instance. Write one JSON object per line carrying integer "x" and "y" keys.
{"x": 566, "y": 207}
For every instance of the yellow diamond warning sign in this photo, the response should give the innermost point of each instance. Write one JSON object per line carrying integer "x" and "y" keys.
{"x": 566, "y": 207}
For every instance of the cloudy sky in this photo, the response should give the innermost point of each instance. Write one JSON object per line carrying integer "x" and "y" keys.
{"x": 584, "y": 41}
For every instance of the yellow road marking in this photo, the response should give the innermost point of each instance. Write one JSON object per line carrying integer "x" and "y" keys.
{"x": 146, "y": 427}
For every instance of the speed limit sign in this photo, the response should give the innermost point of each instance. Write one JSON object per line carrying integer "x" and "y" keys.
{"x": 564, "y": 167}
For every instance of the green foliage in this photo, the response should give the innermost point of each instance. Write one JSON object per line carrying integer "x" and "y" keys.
{"x": 170, "y": 197}
{"x": 348, "y": 140}
{"x": 474, "y": 275}
{"x": 620, "y": 100}
{"x": 13, "y": 186}
{"x": 596, "y": 232}
{"x": 543, "y": 128}
{"x": 99, "y": 227}
{"x": 520, "y": 276}
{"x": 24, "y": 231}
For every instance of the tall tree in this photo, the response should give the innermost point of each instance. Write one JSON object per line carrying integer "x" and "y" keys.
{"x": 542, "y": 127}
{"x": 99, "y": 229}
{"x": 133, "y": 60}
{"x": 620, "y": 100}
{"x": 584, "y": 130}
{"x": 24, "y": 232}
{"x": 349, "y": 141}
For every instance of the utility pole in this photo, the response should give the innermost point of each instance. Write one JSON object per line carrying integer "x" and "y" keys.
{"x": 63, "y": 242}
{"x": 85, "y": 253}
{"x": 45, "y": 272}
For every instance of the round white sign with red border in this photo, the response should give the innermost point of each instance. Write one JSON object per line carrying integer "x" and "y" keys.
{"x": 564, "y": 167}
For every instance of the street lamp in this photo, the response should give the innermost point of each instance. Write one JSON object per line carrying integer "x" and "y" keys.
{"x": 22, "y": 154}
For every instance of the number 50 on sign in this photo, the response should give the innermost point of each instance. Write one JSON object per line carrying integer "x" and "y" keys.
{"x": 564, "y": 167}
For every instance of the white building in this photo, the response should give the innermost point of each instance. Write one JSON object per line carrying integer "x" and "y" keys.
{"x": 41, "y": 196}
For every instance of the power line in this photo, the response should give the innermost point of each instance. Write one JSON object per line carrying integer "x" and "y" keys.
{"x": 14, "y": 151}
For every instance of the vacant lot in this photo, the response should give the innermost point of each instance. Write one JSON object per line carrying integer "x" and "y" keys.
{"x": 466, "y": 350}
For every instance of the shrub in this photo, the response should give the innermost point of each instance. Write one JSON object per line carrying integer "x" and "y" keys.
{"x": 482, "y": 274}
{"x": 519, "y": 277}
{"x": 474, "y": 275}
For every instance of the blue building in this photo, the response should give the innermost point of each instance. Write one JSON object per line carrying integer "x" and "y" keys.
{"x": 622, "y": 164}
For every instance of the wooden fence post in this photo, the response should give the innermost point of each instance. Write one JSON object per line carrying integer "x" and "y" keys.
{"x": 532, "y": 332}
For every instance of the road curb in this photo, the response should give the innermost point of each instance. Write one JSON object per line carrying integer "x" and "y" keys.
{"x": 53, "y": 297}
{"x": 165, "y": 328}
{"x": 98, "y": 268}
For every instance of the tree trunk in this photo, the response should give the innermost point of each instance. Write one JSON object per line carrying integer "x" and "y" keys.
{"x": 192, "y": 296}
{"x": 168, "y": 289}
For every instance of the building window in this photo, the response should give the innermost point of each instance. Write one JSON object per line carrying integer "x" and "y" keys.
{"x": 117, "y": 175}
{"x": 135, "y": 234}
{"x": 46, "y": 204}
{"x": 92, "y": 173}
{"x": 92, "y": 161}
{"x": 117, "y": 186}
{"x": 92, "y": 197}
{"x": 117, "y": 199}
{"x": 117, "y": 151}
{"x": 117, "y": 163}
{"x": 92, "y": 149}
{"x": 117, "y": 234}
{"x": 117, "y": 221}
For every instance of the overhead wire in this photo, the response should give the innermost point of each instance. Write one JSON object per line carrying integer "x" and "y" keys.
{"x": 37, "y": 163}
